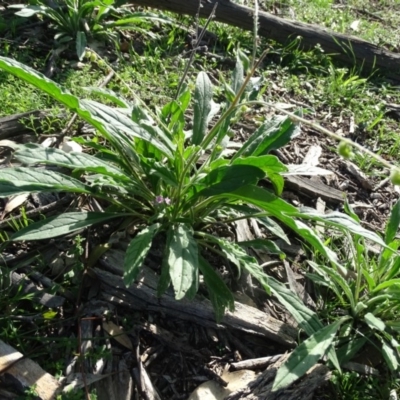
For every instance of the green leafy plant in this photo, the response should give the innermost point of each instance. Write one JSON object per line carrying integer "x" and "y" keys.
{"x": 82, "y": 20}
{"x": 179, "y": 186}
{"x": 369, "y": 297}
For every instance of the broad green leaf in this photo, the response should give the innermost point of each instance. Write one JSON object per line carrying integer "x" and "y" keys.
{"x": 137, "y": 252}
{"x": 80, "y": 44}
{"x": 31, "y": 180}
{"x": 393, "y": 223}
{"x": 387, "y": 284}
{"x": 202, "y": 107}
{"x": 353, "y": 344}
{"x": 374, "y": 322}
{"x": 221, "y": 297}
{"x": 237, "y": 75}
{"x": 228, "y": 178}
{"x": 62, "y": 225}
{"x": 305, "y": 356}
{"x": 29, "y": 11}
{"x": 33, "y": 153}
{"x": 269, "y": 164}
{"x": 272, "y": 135}
{"x": 182, "y": 259}
{"x": 390, "y": 356}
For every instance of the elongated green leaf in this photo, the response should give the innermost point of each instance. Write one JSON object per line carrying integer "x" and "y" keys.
{"x": 335, "y": 281}
{"x": 40, "y": 81}
{"x": 390, "y": 356}
{"x": 116, "y": 122}
{"x": 106, "y": 119}
{"x": 263, "y": 244}
{"x": 109, "y": 95}
{"x": 393, "y": 224}
{"x": 228, "y": 178}
{"x": 374, "y": 322}
{"x": 62, "y": 225}
{"x": 221, "y": 297}
{"x": 33, "y": 153}
{"x": 305, "y": 356}
{"x": 340, "y": 220}
{"x": 182, "y": 259}
{"x": 137, "y": 252}
{"x": 28, "y": 11}
{"x": 272, "y": 135}
{"x": 284, "y": 211}
{"x": 31, "y": 180}
{"x": 306, "y": 318}
{"x": 202, "y": 107}
{"x": 80, "y": 44}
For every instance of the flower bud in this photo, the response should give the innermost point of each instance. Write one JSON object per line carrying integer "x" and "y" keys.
{"x": 395, "y": 175}
{"x": 345, "y": 150}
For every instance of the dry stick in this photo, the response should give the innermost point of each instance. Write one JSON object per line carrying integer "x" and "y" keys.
{"x": 325, "y": 131}
{"x": 61, "y": 136}
{"x": 198, "y": 40}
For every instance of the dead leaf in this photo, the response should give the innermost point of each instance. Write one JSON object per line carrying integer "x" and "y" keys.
{"x": 13, "y": 203}
{"x": 118, "y": 334}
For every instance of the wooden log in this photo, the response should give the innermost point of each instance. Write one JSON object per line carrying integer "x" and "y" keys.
{"x": 348, "y": 49}
{"x": 22, "y": 373}
{"x": 302, "y": 389}
{"x": 143, "y": 296}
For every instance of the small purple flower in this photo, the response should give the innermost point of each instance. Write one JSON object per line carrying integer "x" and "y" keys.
{"x": 159, "y": 200}
{"x": 162, "y": 200}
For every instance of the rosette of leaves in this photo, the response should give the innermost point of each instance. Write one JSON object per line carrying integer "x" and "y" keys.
{"x": 83, "y": 20}
{"x": 181, "y": 184}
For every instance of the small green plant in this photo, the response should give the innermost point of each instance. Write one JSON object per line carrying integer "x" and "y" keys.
{"x": 82, "y": 20}
{"x": 367, "y": 294}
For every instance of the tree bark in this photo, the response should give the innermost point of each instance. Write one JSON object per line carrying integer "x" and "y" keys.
{"x": 348, "y": 49}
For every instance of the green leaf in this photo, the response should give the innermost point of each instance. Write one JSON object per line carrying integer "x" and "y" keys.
{"x": 284, "y": 212}
{"x": 62, "y": 225}
{"x": 306, "y": 318}
{"x": 202, "y": 107}
{"x": 109, "y": 95}
{"x": 29, "y": 180}
{"x": 393, "y": 223}
{"x": 182, "y": 259}
{"x": 80, "y": 44}
{"x": 374, "y": 322}
{"x": 137, "y": 252}
{"x": 341, "y": 221}
{"x": 221, "y": 297}
{"x": 390, "y": 356}
{"x": 264, "y": 244}
{"x": 33, "y": 153}
{"x": 272, "y": 135}
{"x": 116, "y": 122}
{"x": 228, "y": 178}
{"x": 269, "y": 164}
{"x": 305, "y": 356}
{"x": 40, "y": 81}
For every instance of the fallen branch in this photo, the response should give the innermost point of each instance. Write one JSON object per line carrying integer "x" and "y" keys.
{"x": 348, "y": 49}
